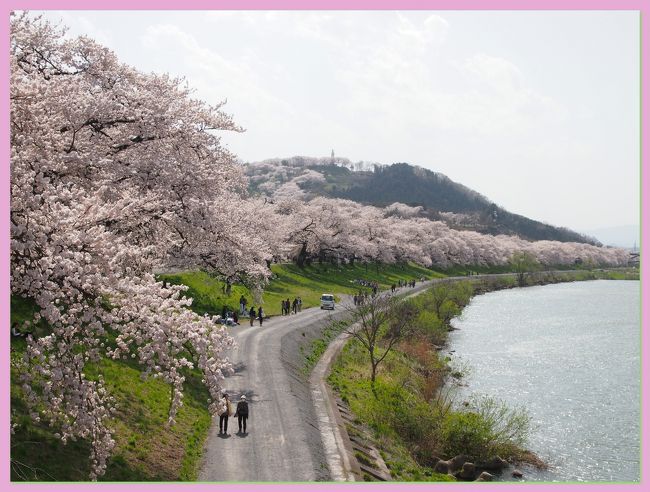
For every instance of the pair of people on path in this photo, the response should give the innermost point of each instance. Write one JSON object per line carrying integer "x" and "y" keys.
{"x": 241, "y": 413}
{"x": 260, "y": 314}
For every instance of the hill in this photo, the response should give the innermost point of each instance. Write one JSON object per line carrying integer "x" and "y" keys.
{"x": 381, "y": 185}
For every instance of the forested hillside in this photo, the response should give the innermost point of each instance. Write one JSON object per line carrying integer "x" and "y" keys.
{"x": 381, "y": 185}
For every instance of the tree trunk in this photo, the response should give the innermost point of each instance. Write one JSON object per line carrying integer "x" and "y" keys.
{"x": 302, "y": 255}
{"x": 373, "y": 377}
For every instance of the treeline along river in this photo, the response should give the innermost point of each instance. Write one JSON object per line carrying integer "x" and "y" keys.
{"x": 571, "y": 355}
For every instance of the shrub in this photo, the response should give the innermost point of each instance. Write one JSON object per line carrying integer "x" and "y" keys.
{"x": 510, "y": 426}
{"x": 428, "y": 324}
{"x": 466, "y": 433}
{"x": 491, "y": 428}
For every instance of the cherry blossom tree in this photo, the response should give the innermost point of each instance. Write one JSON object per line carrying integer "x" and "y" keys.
{"x": 115, "y": 173}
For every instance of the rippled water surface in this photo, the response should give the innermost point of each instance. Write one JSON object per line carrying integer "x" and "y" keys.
{"x": 570, "y": 354}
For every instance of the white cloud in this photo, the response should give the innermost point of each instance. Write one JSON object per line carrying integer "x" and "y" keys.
{"x": 497, "y": 73}
{"x": 213, "y": 75}
{"x": 399, "y": 80}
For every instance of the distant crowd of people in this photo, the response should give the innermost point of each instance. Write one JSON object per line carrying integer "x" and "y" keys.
{"x": 402, "y": 283}
{"x": 368, "y": 283}
{"x": 231, "y": 318}
{"x": 288, "y": 307}
{"x": 360, "y": 298}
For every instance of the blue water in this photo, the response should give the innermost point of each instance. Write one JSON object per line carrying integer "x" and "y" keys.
{"x": 570, "y": 354}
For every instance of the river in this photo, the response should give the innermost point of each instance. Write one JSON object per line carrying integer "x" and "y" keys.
{"x": 571, "y": 355}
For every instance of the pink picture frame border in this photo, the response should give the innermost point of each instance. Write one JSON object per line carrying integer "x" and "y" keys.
{"x": 642, "y": 6}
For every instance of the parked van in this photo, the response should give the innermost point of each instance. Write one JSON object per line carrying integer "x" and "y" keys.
{"x": 327, "y": 301}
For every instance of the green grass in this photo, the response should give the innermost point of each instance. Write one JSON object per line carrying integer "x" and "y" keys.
{"x": 319, "y": 345}
{"x": 290, "y": 281}
{"x": 396, "y": 416}
{"x": 147, "y": 448}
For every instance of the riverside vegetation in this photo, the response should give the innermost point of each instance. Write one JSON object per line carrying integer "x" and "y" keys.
{"x": 410, "y": 408}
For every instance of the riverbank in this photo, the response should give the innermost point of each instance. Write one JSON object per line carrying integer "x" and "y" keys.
{"x": 415, "y": 387}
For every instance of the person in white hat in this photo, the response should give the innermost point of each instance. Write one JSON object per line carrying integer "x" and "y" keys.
{"x": 242, "y": 413}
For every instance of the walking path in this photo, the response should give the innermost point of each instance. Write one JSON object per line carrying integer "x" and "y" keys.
{"x": 293, "y": 431}
{"x": 282, "y": 443}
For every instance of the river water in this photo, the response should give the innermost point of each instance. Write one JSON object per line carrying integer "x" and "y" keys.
{"x": 570, "y": 354}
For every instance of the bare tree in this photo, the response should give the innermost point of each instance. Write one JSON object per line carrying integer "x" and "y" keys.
{"x": 382, "y": 321}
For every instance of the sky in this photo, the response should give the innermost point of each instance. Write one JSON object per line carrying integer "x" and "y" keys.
{"x": 536, "y": 110}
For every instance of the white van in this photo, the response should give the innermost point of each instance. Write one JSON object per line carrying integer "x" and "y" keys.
{"x": 327, "y": 301}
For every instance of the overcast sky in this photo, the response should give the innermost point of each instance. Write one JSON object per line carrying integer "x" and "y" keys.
{"x": 538, "y": 111}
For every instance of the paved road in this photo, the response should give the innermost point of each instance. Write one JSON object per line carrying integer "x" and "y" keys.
{"x": 278, "y": 446}
{"x": 282, "y": 443}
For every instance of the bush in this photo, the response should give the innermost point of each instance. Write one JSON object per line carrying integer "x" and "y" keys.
{"x": 428, "y": 324}
{"x": 490, "y": 429}
{"x": 466, "y": 433}
{"x": 510, "y": 426}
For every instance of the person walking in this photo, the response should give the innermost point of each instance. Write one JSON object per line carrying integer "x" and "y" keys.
{"x": 251, "y": 314}
{"x": 260, "y": 313}
{"x": 223, "y": 416}
{"x": 242, "y": 304}
{"x": 242, "y": 413}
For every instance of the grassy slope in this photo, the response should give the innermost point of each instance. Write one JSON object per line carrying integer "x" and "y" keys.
{"x": 290, "y": 281}
{"x": 147, "y": 448}
{"x": 396, "y": 412}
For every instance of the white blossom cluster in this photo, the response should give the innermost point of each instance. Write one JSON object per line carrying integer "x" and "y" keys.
{"x": 334, "y": 229}
{"x": 318, "y": 228}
